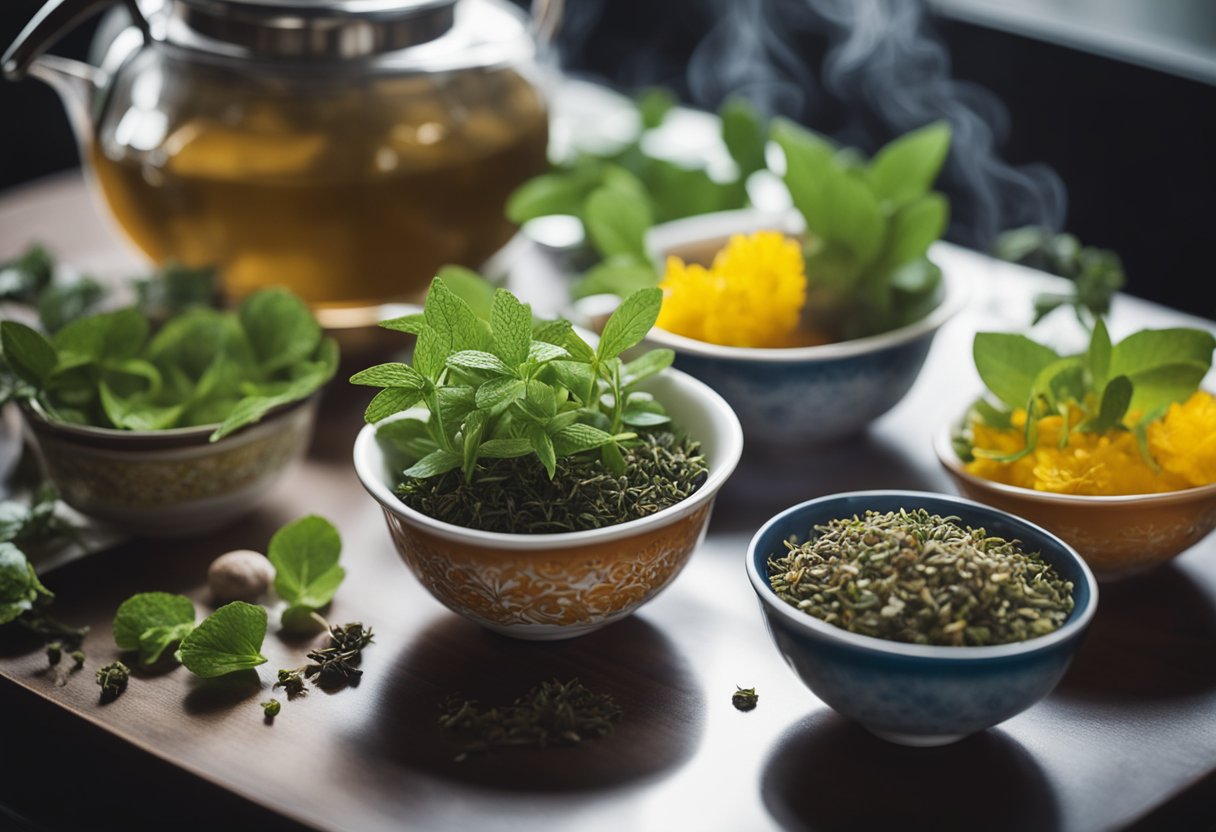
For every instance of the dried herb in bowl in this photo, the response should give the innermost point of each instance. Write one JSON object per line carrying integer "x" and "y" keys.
{"x": 916, "y": 577}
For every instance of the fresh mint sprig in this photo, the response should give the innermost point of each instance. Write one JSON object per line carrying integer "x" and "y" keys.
{"x": 151, "y": 622}
{"x": 506, "y": 388}
{"x": 228, "y": 640}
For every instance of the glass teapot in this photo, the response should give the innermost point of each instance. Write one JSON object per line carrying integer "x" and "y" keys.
{"x": 344, "y": 148}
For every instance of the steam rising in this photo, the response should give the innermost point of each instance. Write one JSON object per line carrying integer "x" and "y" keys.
{"x": 890, "y": 73}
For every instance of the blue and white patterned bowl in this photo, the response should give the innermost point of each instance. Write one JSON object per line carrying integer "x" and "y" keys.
{"x": 916, "y": 694}
{"x": 799, "y": 395}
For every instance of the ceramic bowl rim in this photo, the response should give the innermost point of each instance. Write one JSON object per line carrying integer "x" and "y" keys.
{"x": 957, "y": 293}
{"x": 170, "y": 437}
{"x": 949, "y": 460}
{"x": 822, "y": 631}
{"x": 727, "y": 427}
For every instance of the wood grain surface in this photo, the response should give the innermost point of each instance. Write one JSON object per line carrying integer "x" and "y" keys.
{"x": 1129, "y": 736}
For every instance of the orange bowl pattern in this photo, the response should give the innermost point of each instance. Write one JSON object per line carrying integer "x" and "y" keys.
{"x": 549, "y": 593}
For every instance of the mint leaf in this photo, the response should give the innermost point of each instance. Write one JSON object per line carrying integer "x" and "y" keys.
{"x": 906, "y": 168}
{"x": 808, "y": 164}
{"x": 404, "y": 442}
{"x": 498, "y": 391}
{"x": 151, "y": 621}
{"x": 280, "y": 329}
{"x": 228, "y": 640}
{"x": 541, "y": 353}
{"x": 390, "y": 401}
{"x": 29, "y": 354}
{"x": 551, "y": 193}
{"x": 486, "y": 362}
{"x": 452, "y": 324}
{"x": 543, "y": 446}
{"x": 304, "y": 554}
{"x": 578, "y": 438}
{"x": 309, "y": 377}
{"x": 644, "y": 414}
{"x": 1008, "y": 364}
{"x": 511, "y": 323}
{"x": 646, "y": 365}
{"x": 630, "y": 323}
{"x": 435, "y": 463}
{"x": 1164, "y": 384}
{"x": 505, "y": 448}
{"x": 471, "y": 287}
{"x": 913, "y": 228}
{"x": 409, "y": 324}
{"x": 616, "y": 222}
{"x": 390, "y": 375}
{"x": 18, "y": 584}
{"x": 561, "y": 333}
{"x": 135, "y": 413}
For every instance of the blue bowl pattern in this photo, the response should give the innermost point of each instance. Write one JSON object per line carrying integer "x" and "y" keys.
{"x": 787, "y": 402}
{"x": 916, "y": 694}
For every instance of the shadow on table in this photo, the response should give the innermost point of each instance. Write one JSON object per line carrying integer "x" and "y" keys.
{"x": 769, "y": 480}
{"x": 1148, "y": 640}
{"x": 631, "y": 660}
{"x": 828, "y": 773}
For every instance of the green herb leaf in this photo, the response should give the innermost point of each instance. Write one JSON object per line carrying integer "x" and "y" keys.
{"x": 228, "y": 640}
{"x": 280, "y": 329}
{"x": 543, "y": 446}
{"x": 578, "y": 438}
{"x": 913, "y": 228}
{"x": 479, "y": 361}
{"x": 1099, "y": 354}
{"x": 646, "y": 365}
{"x": 617, "y": 222}
{"x": 1116, "y": 397}
{"x": 29, "y": 354}
{"x": 107, "y": 338}
{"x": 621, "y": 274}
{"x": 906, "y": 168}
{"x": 409, "y": 324}
{"x": 305, "y": 558}
{"x": 561, "y": 332}
{"x": 1008, "y": 364}
{"x": 390, "y": 375}
{"x": 471, "y": 287}
{"x": 499, "y": 391}
{"x": 653, "y": 106}
{"x": 743, "y": 134}
{"x": 390, "y": 401}
{"x": 1152, "y": 348}
{"x": 551, "y": 193}
{"x": 630, "y": 323}
{"x": 505, "y": 448}
{"x": 435, "y": 463}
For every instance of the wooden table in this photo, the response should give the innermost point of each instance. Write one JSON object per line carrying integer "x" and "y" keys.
{"x": 1129, "y": 736}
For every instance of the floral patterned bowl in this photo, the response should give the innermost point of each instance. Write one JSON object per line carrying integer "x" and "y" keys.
{"x": 799, "y": 395}
{"x": 170, "y": 483}
{"x": 556, "y": 586}
{"x": 1117, "y": 536}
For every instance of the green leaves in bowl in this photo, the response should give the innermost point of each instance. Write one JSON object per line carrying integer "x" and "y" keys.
{"x": 506, "y": 388}
{"x": 203, "y": 367}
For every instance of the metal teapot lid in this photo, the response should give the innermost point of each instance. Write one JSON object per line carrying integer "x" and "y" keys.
{"x": 324, "y": 29}
{"x": 309, "y": 30}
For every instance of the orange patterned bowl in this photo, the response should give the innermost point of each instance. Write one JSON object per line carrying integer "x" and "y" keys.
{"x": 555, "y": 586}
{"x": 1117, "y": 536}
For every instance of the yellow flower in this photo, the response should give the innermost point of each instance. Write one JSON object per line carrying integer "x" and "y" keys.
{"x": 1184, "y": 441}
{"x": 752, "y": 295}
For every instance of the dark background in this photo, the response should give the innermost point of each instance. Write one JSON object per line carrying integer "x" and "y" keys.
{"x": 1132, "y": 145}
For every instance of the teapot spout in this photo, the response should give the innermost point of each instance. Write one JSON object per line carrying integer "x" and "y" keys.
{"x": 77, "y": 84}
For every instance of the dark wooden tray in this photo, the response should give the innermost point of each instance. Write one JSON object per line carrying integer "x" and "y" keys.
{"x": 1128, "y": 736}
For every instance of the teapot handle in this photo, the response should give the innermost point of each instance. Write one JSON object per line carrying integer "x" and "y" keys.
{"x": 546, "y": 18}
{"x": 51, "y": 22}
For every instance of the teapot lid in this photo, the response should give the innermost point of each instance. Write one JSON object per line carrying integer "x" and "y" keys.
{"x": 325, "y": 29}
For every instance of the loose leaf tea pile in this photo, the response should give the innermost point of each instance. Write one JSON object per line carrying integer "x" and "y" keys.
{"x": 552, "y": 713}
{"x": 917, "y": 577}
{"x": 517, "y": 496}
